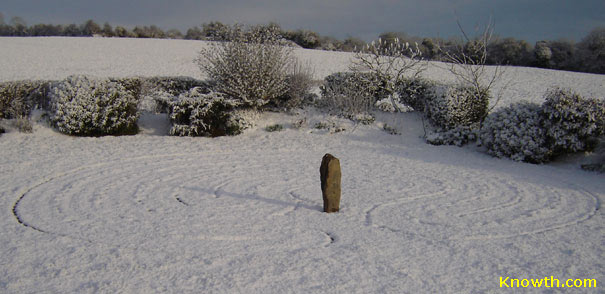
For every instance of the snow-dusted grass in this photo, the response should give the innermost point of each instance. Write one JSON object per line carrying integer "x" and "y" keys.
{"x": 153, "y": 214}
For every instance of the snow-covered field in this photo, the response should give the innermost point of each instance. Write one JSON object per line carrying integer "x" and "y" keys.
{"x": 160, "y": 214}
{"x": 56, "y": 58}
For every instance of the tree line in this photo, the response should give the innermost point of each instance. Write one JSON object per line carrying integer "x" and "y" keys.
{"x": 587, "y": 55}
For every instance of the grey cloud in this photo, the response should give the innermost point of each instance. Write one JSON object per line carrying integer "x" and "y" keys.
{"x": 531, "y": 20}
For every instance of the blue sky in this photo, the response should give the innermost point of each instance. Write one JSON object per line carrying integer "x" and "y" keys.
{"x": 531, "y": 20}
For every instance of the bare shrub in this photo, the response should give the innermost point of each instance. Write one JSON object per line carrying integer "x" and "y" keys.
{"x": 388, "y": 61}
{"x": 299, "y": 81}
{"x": 349, "y": 93}
{"x": 467, "y": 62}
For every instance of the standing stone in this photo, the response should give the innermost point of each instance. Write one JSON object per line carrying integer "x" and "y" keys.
{"x": 330, "y": 182}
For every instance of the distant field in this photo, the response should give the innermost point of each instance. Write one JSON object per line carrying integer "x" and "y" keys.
{"x": 57, "y": 57}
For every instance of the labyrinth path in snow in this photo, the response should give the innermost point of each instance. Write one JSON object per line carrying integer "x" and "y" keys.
{"x": 159, "y": 202}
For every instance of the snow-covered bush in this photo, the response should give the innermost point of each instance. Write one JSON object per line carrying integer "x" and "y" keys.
{"x": 304, "y": 38}
{"x": 363, "y": 118}
{"x": 274, "y": 128}
{"x": 300, "y": 123}
{"x": 85, "y": 106}
{"x": 158, "y": 91}
{"x": 251, "y": 68}
{"x": 413, "y": 92}
{"x": 458, "y": 136}
{"x": 450, "y": 106}
{"x": 571, "y": 122}
{"x": 197, "y": 113}
{"x": 174, "y": 86}
{"x": 392, "y": 105}
{"x": 331, "y": 127}
{"x": 390, "y": 130}
{"x": 132, "y": 85}
{"x": 350, "y": 92}
{"x": 565, "y": 123}
{"x": 18, "y": 98}
{"x": 594, "y": 167}
{"x": 215, "y": 31}
{"x": 516, "y": 132}
{"x": 13, "y": 100}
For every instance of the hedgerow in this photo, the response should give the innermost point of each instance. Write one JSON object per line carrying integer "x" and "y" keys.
{"x": 86, "y": 106}
{"x": 197, "y": 113}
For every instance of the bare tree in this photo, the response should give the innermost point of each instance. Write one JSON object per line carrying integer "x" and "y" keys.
{"x": 467, "y": 62}
{"x": 389, "y": 62}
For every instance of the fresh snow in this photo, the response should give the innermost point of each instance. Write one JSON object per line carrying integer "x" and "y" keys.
{"x": 55, "y": 58}
{"x": 157, "y": 214}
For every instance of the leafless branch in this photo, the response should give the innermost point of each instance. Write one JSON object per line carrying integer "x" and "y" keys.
{"x": 467, "y": 60}
{"x": 389, "y": 62}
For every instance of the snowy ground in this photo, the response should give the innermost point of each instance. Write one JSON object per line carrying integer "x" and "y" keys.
{"x": 152, "y": 214}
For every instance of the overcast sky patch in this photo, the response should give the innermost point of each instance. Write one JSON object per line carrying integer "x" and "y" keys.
{"x": 530, "y": 20}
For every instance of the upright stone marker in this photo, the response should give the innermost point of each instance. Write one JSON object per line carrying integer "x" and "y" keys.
{"x": 330, "y": 182}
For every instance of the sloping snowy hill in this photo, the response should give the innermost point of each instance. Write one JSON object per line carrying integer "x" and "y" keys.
{"x": 160, "y": 214}
{"x": 56, "y": 58}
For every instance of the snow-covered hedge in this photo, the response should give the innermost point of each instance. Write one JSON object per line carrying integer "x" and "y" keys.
{"x": 341, "y": 81}
{"x": 458, "y": 136}
{"x": 157, "y": 91}
{"x": 565, "y": 123}
{"x": 516, "y": 131}
{"x": 451, "y": 106}
{"x": 413, "y": 92}
{"x": 174, "y": 86}
{"x": 358, "y": 92}
{"x": 572, "y": 122}
{"x": 85, "y": 106}
{"x": 18, "y": 98}
{"x": 386, "y": 105}
{"x": 201, "y": 113}
{"x": 350, "y": 92}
